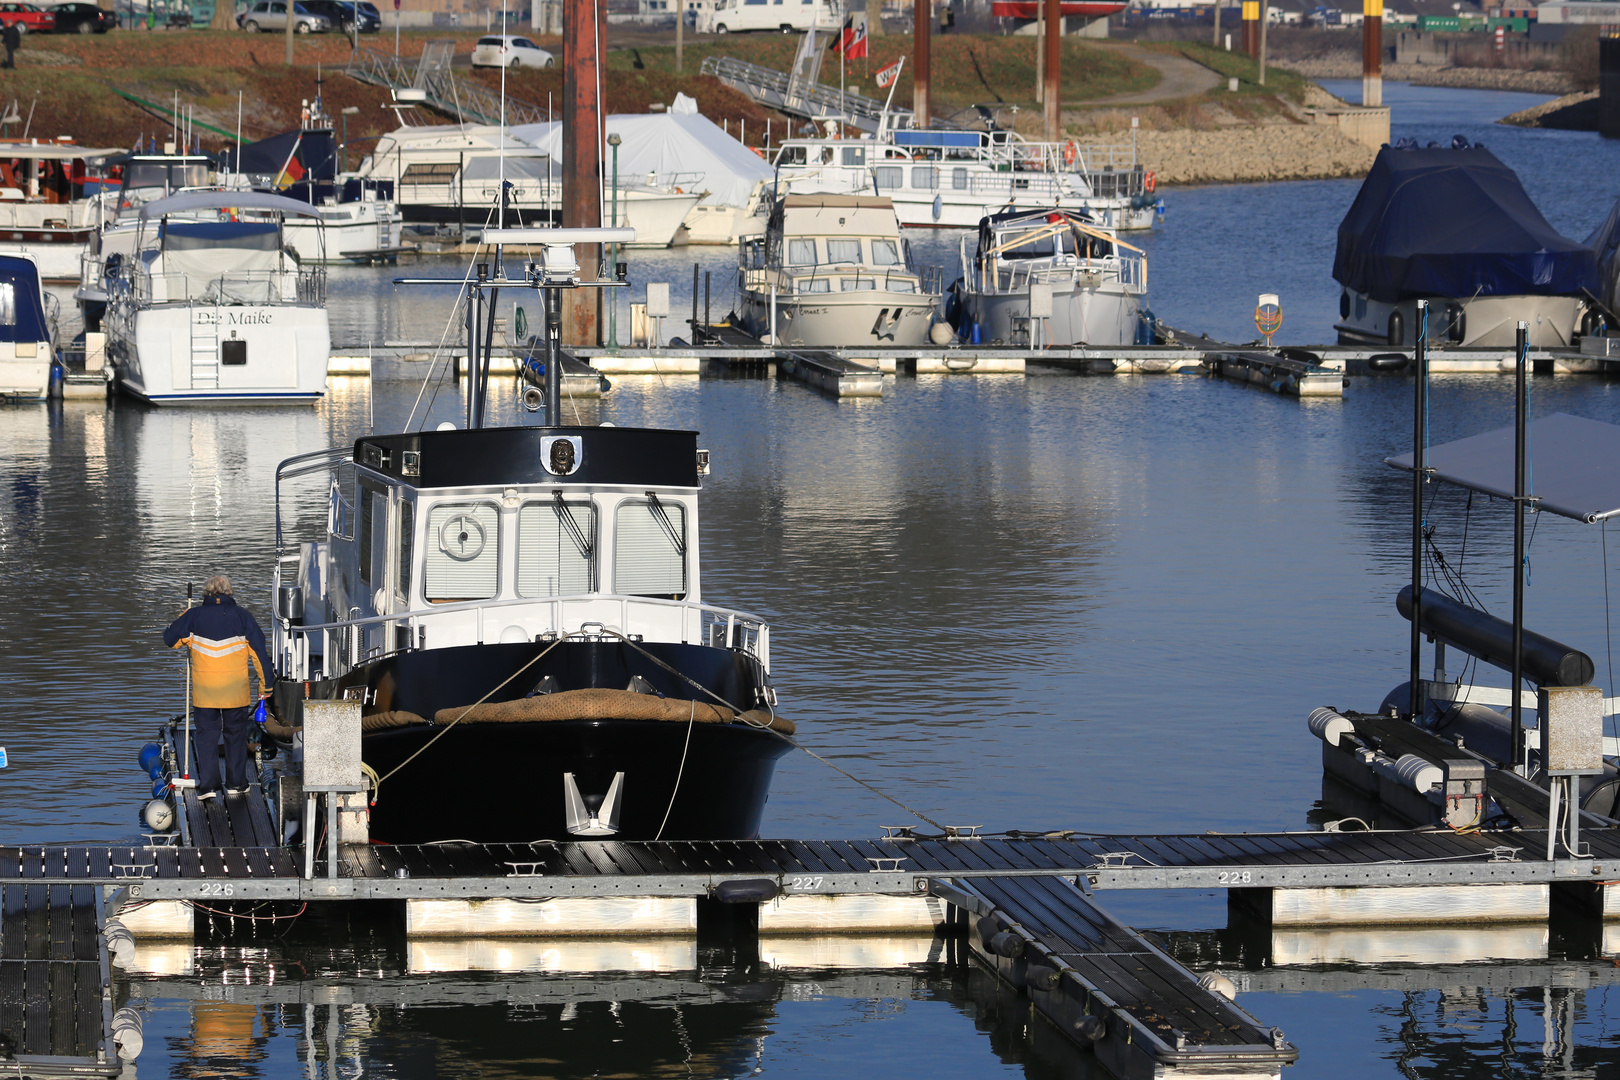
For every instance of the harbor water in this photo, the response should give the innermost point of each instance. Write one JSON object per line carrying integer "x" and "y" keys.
{"x": 1053, "y": 602}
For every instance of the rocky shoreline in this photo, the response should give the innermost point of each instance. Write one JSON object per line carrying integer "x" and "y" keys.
{"x": 1249, "y": 154}
{"x": 1532, "y": 82}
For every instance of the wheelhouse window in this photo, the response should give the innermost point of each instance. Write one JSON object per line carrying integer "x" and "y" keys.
{"x": 843, "y": 251}
{"x": 556, "y": 548}
{"x": 854, "y": 155}
{"x": 888, "y": 177}
{"x": 924, "y": 177}
{"x": 649, "y": 548}
{"x": 373, "y": 543}
{"x": 461, "y": 557}
{"x": 407, "y": 548}
{"x": 801, "y": 253}
{"x": 885, "y": 253}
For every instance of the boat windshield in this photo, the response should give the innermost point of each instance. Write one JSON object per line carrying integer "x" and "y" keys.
{"x": 1039, "y": 247}
{"x": 171, "y": 176}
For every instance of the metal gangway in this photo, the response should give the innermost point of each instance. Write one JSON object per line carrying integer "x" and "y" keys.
{"x": 465, "y": 99}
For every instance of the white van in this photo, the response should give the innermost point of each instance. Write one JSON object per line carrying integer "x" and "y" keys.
{"x": 731, "y": 16}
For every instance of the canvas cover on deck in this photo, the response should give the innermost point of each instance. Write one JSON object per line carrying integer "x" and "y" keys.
{"x": 1574, "y": 465}
{"x": 1453, "y": 223}
{"x": 669, "y": 144}
{"x": 227, "y": 261}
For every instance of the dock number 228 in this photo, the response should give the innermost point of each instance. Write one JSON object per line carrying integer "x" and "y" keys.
{"x": 1236, "y": 877}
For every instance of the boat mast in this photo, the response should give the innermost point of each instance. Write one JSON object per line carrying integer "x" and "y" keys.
{"x": 1420, "y": 438}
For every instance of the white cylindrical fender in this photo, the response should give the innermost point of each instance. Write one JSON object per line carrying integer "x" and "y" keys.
{"x": 126, "y": 1031}
{"x": 120, "y": 942}
{"x": 1328, "y": 725}
{"x": 1216, "y": 983}
{"x": 1419, "y": 774}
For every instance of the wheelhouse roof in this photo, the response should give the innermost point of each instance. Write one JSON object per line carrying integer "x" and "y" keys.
{"x": 504, "y": 457}
{"x": 1576, "y": 463}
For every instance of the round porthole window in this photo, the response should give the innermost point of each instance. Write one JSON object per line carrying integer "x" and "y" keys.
{"x": 462, "y": 538}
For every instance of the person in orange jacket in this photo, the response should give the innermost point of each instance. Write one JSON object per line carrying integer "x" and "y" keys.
{"x": 227, "y": 650}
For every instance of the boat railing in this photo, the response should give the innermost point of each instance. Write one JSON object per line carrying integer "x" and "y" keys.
{"x": 303, "y": 286}
{"x": 1014, "y": 275}
{"x": 826, "y": 279}
{"x": 324, "y": 650}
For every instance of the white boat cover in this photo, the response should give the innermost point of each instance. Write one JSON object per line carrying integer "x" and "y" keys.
{"x": 1574, "y": 465}
{"x": 666, "y": 144}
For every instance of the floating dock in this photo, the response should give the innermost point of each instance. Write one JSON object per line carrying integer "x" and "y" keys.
{"x": 56, "y": 1014}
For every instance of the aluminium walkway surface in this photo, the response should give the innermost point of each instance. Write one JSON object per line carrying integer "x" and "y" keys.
{"x": 55, "y": 1007}
{"x": 894, "y": 866}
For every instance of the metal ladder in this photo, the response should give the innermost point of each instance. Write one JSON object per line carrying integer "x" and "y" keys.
{"x": 205, "y": 353}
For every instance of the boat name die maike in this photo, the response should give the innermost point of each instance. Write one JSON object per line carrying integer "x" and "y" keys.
{"x": 205, "y": 317}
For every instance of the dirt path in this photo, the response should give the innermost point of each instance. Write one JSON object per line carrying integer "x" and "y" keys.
{"x": 1178, "y": 78}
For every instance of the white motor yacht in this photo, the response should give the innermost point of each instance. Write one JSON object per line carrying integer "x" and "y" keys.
{"x": 358, "y": 220}
{"x": 116, "y": 214}
{"x": 1048, "y": 278}
{"x": 450, "y": 174}
{"x": 45, "y": 212}
{"x": 951, "y": 179}
{"x": 217, "y": 311}
{"x": 831, "y": 271}
{"x": 27, "y": 348}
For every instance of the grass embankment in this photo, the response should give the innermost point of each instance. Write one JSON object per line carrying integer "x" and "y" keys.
{"x": 966, "y": 69}
{"x": 69, "y": 82}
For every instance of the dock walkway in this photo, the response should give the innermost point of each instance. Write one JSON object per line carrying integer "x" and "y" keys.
{"x": 55, "y": 988}
{"x": 896, "y": 866}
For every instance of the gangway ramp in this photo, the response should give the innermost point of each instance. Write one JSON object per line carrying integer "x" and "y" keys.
{"x": 465, "y": 99}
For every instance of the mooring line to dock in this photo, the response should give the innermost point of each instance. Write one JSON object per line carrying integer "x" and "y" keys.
{"x": 766, "y": 727}
{"x": 377, "y": 790}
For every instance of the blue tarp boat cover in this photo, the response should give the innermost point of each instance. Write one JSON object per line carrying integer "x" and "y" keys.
{"x": 1605, "y": 243}
{"x": 22, "y": 310}
{"x": 1453, "y": 222}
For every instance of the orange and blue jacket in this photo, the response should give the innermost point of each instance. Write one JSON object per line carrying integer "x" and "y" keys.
{"x": 227, "y": 647}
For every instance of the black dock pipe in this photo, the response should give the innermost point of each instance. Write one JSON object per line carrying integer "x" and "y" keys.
{"x": 1420, "y": 403}
{"x": 1521, "y": 418}
{"x": 708, "y": 317}
{"x": 696, "y": 338}
{"x": 553, "y": 306}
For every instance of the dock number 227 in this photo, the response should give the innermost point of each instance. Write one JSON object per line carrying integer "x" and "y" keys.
{"x": 804, "y": 884}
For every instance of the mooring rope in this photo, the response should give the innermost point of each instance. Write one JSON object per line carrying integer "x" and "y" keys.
{"x": 440, "y": 734}
{"x": 766, "y": 727}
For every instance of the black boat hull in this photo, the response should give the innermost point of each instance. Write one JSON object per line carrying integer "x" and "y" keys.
{"x": 503, "y": 783}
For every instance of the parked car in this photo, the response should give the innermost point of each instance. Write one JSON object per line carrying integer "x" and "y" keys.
{"x": 28, "y": 18}
{"x": 83, "y": 19}
{"x": 506, "y": 50}
{"x": 343, "y": 13}
{"x": 272, "y": 15}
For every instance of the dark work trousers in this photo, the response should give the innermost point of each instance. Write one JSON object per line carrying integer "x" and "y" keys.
{"x": 205, "y": 746}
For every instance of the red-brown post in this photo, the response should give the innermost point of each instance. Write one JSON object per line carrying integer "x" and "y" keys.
{"x": 582, "y": 159}
{"x": 922, "y": 25}
{"x": 1054, "y": 82}
{"x": 1251, "y": 27}
{"x": 1372, "y": 52}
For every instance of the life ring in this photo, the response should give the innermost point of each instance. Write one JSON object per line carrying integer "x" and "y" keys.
{"x": 1149, "y": 183}
{"x": 1070, "y": 152}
